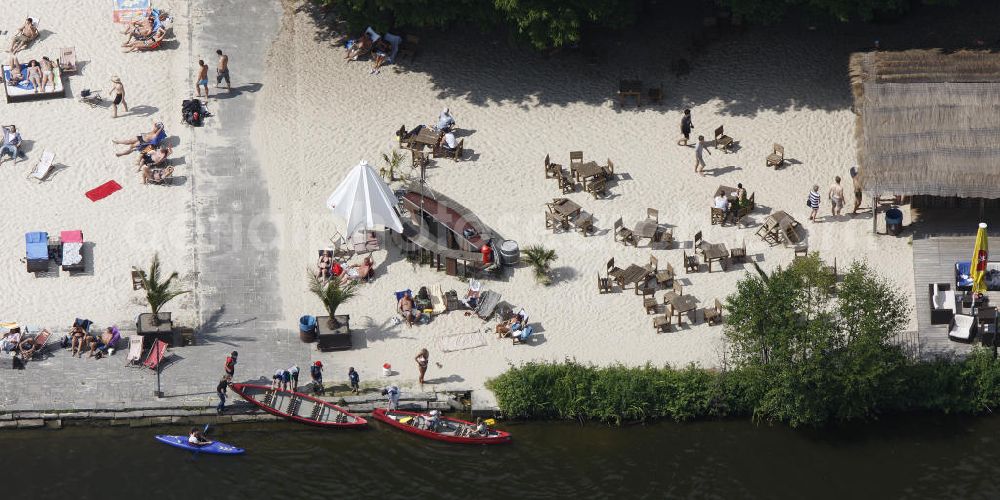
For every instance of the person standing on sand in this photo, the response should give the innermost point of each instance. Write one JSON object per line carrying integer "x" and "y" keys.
{"x": 355, "y": 379}
{"x": 813, "y": 202}
{"x": 118, "y": 92}
{"x": 686, "y": 127}
{"x": 699, "y": 160}
{"x": 836, "y": 196}
{"x": 221, "y": 391}
{"x": 857, "y": 190}
{"x": 202, "y": 80}
{"x": 422, "y": 359}
{"x": 230, "y": 366}
{"x": 222, "y": 70}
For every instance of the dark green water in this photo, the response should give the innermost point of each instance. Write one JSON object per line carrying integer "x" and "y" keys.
{"x": 904, "y": 458}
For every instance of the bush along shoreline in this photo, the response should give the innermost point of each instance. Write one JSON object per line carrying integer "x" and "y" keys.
{"x": 804, "y": 347}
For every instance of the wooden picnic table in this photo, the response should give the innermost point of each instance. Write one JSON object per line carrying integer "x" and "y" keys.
{"x": 634, "y": 274}
{"x": 729, "y": 190}
{"x": 586, "y": 170}
{"x": 716, "y": 252}
{"x": 782, "y": 224}
{"x": 646, "y": 229}
{"x": 683, "y": 304}
{"x": 424, "y": 136}
{"x": 565, "y": 208}
{"x": 630, "y": 88}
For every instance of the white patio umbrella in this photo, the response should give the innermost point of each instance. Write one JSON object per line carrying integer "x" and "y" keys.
{"x": 364, "y": 201}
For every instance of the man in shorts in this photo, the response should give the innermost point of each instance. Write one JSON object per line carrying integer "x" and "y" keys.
{"x": 686, "y": 127}
{"x": 699, "y": 160}
{"x": 836, "y": 196}
{"x": 857, "y": 190}
{"x": 222, "y": 70}
{"x": 202, "y": 80}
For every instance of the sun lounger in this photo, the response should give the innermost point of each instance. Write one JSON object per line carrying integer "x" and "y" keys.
{"x": 67, "y": 59}
{"x": 134, "y": 351}
{"x": 33, "y": 346}
{"x": 43, "y": 167}
{"x": 438, "y": 304}
{"x": 488, "y": 301}
{"x": 37, "y": 251}
{"x": 72, "y": 246}
{"x": 394, "y": 41}
{"x": 156, "y": 355}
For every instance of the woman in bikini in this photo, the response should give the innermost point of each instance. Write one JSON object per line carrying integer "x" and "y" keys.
{"x": 35, "y": 74}
{"x": 323, "y": 266}
{"x": 47, "y": 74}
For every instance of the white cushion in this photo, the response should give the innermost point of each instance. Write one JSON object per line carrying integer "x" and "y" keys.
{"x": 962, "y": 327}
{"x": 944, "y": 299}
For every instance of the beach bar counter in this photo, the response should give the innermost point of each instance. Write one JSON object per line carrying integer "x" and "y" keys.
{"x": 448, "y": 233}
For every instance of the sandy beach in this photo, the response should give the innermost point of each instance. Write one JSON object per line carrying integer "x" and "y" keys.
{"x": 311, "y": 116}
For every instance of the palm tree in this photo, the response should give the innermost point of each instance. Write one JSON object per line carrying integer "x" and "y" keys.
{"x": 540, "y": 258}
{"x": 158, "y": 292}
{"x": 393, "y": 161}
{"x": 332, "y": 293}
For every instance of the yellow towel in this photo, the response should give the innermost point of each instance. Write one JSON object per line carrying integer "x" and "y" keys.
{"x": 405, "y": 420}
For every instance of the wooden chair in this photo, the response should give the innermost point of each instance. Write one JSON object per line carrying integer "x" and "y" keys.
{"x": 690, "y": 263}
{"x": 738, "y": 254}
{"x": 723, "y": 141}
{"x": 608, "y": 171}
{"x": 649, "y": 304}
{"x": 575, "y": 159}
{"x": 615, "y": 272}
{"x": 584, "y": 223}
{"x": 554, "y": 221}
{"x": 699, "y": 244}
{"x": 603, "y": 284}
{"x": 664, "y": 322}
{"x": 652, "y": 267}
{"x": 137, "y": 280}
{"x": 713, "y": 314}
{"x": 552, "y": 170}
{"x": 653, "y": 215}
{"x": 718, "y": 216}
{"x": 666, "y": 276}
{"x": 645, "y": 289}
{"x": 751, "y": 203}
{"x": 566, "y": 182}
{"x": 801, "y": 250}
{"x": 67, "y": 60}
{"x": 767, "y": 231}
{"x": 665, "y": 235}
{"x": 624, "y": 234}
{"x": 596, "y": 187}
{"x": 656, "y": 94}
{"x": 777, "y": 157}
{"x": 676, "y": 291}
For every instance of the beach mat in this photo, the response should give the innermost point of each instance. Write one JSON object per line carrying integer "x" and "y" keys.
{"x": 103, "y": 191}
{"x": 461, "y": 341}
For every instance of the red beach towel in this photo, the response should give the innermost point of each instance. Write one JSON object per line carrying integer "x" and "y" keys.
{"x": 103, "y": 191}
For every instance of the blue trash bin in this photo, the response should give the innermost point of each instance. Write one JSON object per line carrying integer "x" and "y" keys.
{"x": 894, "y": 221}
{"x": 307, "y": 328}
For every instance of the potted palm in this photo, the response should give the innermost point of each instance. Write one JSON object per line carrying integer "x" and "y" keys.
{"x": 540, "y": 259}
{"x": 159, "y": 291}
{"x": 332, "y": 293}
{"x": 393, "y": 161}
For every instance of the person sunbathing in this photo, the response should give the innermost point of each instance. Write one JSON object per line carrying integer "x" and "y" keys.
{"x": 151, "y": 138}
{"x": 365, "y": 271}
{"x": 380, "y": 54}
{"x": 323, "y": 266}
{"x": 10, "y": 340}
{"x": 35, "y": 74}
{"x": 140, "y": 29}
{"x": 48, "y": 77}
{"x": 407, "y": 309}
{"x": 78, "y": 340}
{"x": 150, "y": 43}
{"x": 362, "y": 46}
{"x": 15, "y": 71}
{"x": 513, "y": 324}
{"x": 10, "y": 144}
{"x": 156, "y": 174}
{"x": 23, "y": 36}
{"x": 91, "y": 346}
{"x": 153, "y": 158}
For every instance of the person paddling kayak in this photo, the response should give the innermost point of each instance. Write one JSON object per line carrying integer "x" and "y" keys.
{"x": 197, "y": 438}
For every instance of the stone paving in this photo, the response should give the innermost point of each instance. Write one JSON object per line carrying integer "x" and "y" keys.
{"x": 237, "y": 291}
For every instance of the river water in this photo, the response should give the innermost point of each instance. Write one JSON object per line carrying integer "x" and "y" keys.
{"x": 916, "y": 457}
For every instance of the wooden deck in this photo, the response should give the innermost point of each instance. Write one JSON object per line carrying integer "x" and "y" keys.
{"x": 942, "y": 237}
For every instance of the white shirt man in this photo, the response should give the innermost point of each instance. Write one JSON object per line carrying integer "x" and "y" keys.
{"x": 721, "y": 202}
{"x": 450, "y": 142}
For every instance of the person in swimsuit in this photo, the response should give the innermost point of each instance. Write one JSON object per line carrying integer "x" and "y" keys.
{"x": 422, "y": 359}
{"x": 118, "y": 91}
{"x": 35, "y": 74}
{"x": 140, "y": 29}
{"x": 154, "y": 168}
{"x": 47, "y": 75}
{"x": 380, "y": 54}
{"x": 150, "y": 43}
{"x": 15, "y": 71}
{"x": 24, "y": 35}
{"x": 222, "y": 70}
{"x": 323, "y": 266}
{"x": 202, "y": 80}
{"x": 140, "y": 140}
{"x": 153, "y": 159}
{"x": 78, "y": 337}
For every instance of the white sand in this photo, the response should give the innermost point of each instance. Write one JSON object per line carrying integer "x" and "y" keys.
{"x": 342, "y": 114}
{"x": 122, "y": 230}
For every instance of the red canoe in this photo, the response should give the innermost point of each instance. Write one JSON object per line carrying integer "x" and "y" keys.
{"x": 451, "y": 430}
{"x": 298, "y": 407}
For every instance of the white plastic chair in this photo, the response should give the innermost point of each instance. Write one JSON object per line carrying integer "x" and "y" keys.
{"x": 43, "y": 167}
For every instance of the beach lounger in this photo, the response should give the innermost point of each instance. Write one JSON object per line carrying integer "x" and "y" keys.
{"x": 33, "y": 346}
{"x": 67, "y": 59}
{"x": 438, "y": 303}
{"x": 134, "y": 351}
{"x": 488, "y": 301}
{"x": 156, "y": 355}
{"x": 37, "y": 251}
{"x": 43, "y": 167}
{"x": 394, "y": 41}
{"x": 72, "y": 250}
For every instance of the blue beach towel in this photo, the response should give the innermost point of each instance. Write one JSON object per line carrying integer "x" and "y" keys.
{"x": 37, "y": 245}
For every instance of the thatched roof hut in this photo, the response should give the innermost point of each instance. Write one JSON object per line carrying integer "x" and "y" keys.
{"x": 929, "y": 122}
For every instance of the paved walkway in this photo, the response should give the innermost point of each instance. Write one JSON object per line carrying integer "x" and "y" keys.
{"x": 237, "y": 291}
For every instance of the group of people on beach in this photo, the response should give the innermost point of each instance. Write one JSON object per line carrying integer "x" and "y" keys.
{"x": 40, "y": 74}
{"x": 146, "y": 33}
{"x": 81, "y": 340}
{"x": 381, "y": 48}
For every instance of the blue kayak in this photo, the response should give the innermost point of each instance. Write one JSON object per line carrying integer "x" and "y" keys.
{"x": 214, "y": 448}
